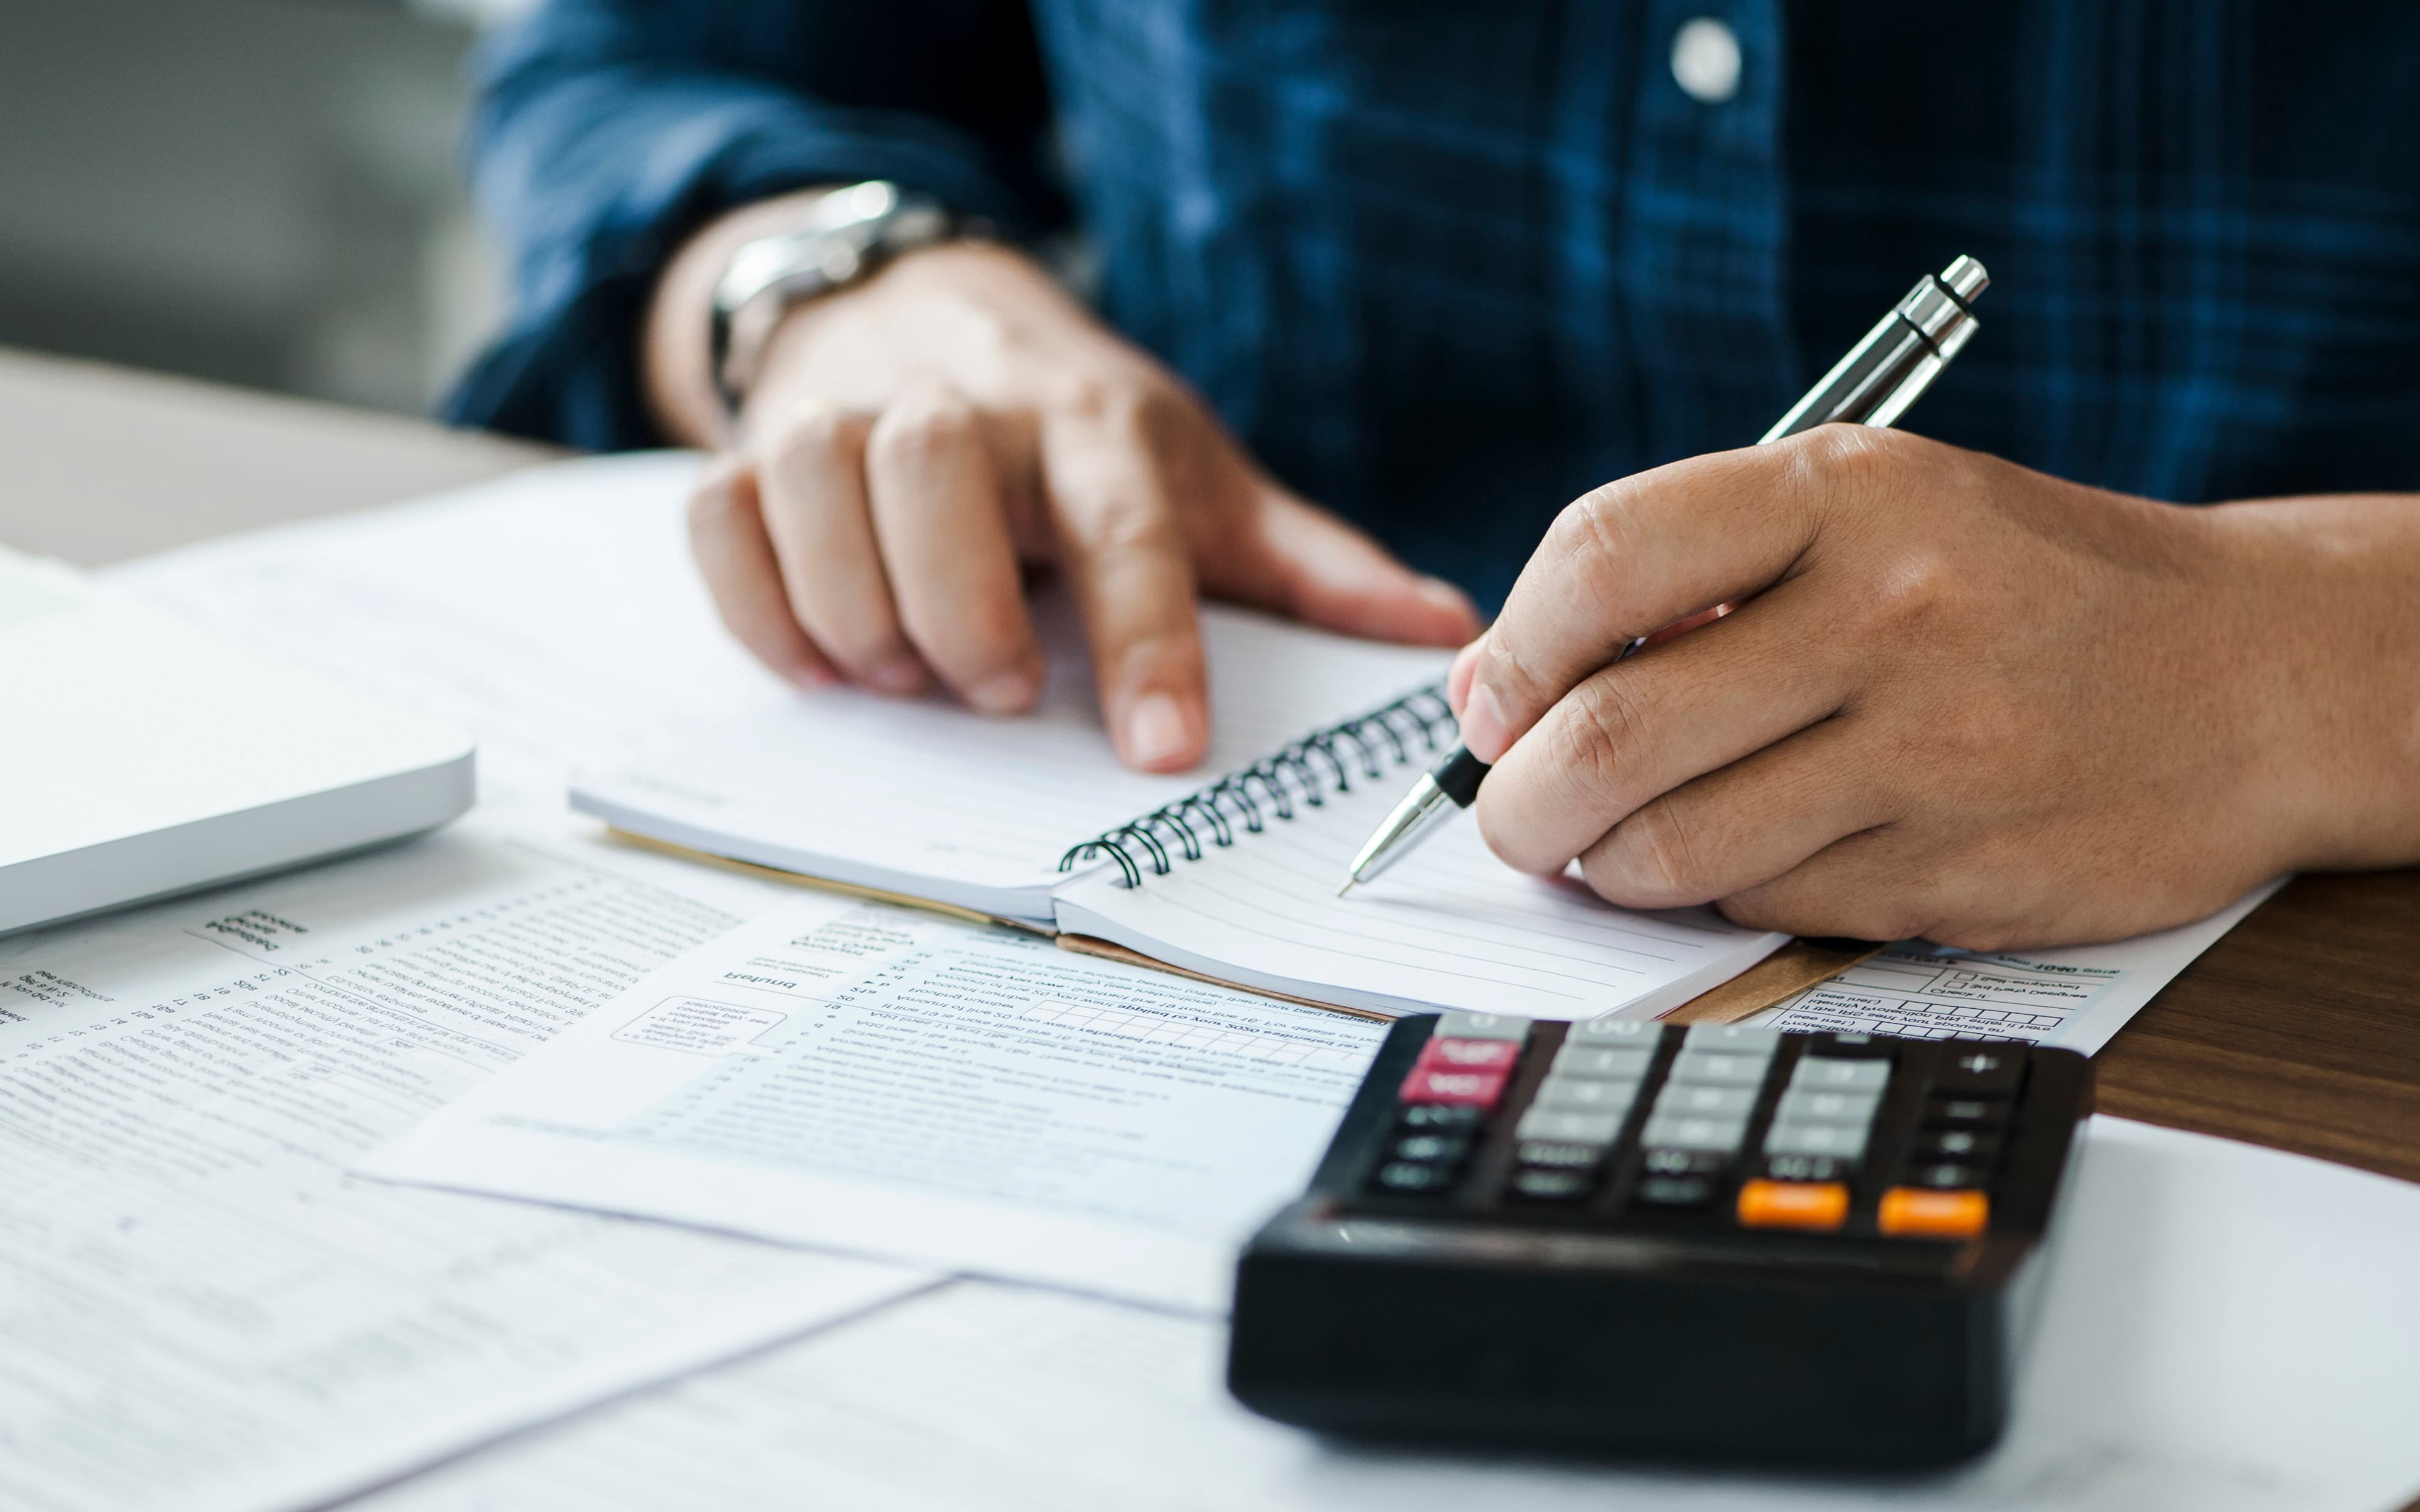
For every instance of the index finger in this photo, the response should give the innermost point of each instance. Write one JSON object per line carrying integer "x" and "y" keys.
{"x": 1632, "y": 557}
{"x": 1125, "y": 559}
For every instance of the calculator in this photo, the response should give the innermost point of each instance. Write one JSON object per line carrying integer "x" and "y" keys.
{"x": 1711, "y": 1242}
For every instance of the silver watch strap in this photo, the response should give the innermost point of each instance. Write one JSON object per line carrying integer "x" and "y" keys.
{"x": 850, "y": 232}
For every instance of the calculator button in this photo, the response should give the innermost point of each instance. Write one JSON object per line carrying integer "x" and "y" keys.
{"x": 1847, "y": 1141}
{"x": 1818, "y": 1205}
{"x": 1438, "y": 1118}
{"x": 1973, "y": 1147}
{"x": 1848, "y": 1046}
{"x": 1911, "y": 1214}
{"x": 1711, "y": 1069}
{"x": 1987, "y": 1070}
{"x": 1809, "y": 1167}
{"x": 1673, "y": 1192}
{"x": 1971, "y": 1112}
{"x": 1625, "y": 1063}
{"x": 1805, "y": 1105}
{"x": 1614, "y": 1032}
{"x": 1839, "y": 1075}
{"x": 1578, "y": 1094}
{"x": 1551, "y": 1185}
{"x": 1411, "y": 1178}
{"x": 1432, "y": 1149}
{"x": 1684, "y": 1162}
{"x": 1470, "y": 1054}
{"x": 1481, "y": 1027}
{"x": 1576, "y": 1128}
{"x": 1694, "y": 1133}
{"x": 1462, "y": 1088}
{"x": 1559, "y": 1154}
{"x": 1946, "y": 1176}
{"x": 1736, "y": 1038}
{"x": 1708, "y": 1101}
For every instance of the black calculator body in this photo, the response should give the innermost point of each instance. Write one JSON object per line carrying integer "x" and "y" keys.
{"x": 1710, "y": 1244}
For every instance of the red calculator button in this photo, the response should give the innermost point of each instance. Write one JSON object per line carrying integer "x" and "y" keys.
{"x": 1469, "y": 1055}
{"x": 1455, "y": 1088}
{"x": 1913, "y": 1212}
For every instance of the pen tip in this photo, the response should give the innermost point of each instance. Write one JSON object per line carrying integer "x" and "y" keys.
{"x": 1347, "y": 888}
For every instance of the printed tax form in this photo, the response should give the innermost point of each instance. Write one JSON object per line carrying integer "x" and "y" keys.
{"x": 201, "y": 1312}
{"x": 877, "y": 1080}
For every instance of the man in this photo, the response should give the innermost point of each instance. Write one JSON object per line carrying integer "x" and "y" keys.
{"x": 1442, "y": 268}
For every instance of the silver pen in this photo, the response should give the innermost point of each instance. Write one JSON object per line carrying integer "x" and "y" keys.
{"x": 1873, "y": 385}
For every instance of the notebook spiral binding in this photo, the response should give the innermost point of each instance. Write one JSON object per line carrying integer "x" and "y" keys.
{"x": 1303, "y": 771}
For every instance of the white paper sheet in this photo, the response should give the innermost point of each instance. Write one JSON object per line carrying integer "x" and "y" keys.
{"x": 2075, "y": 998}
{"x": 554, "y": 612}
{"x": 869, "y": 1078}
{"x": 1451, "y": 926}
{"x": 929, "y": 799}
{"x": 2227, "y": 1330}
{"x": 200, "y": 1310}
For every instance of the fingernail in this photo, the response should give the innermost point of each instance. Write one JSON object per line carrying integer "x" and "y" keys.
{"x": 1484, "y": 729}
{"x": 1158, "y": 731}
{"x": 1445, "y": 596}
{"x": 813, "y": 679}
{"x": 901, "y": 674}
{"x": 1457, "y": 678}
{"x": 1007, "y": 692}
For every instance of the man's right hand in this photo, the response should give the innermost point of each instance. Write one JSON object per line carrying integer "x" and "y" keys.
{"x": 913, "y": 443}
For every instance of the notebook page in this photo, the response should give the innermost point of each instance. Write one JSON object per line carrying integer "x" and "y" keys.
{"x": 929, "y": 799}
{"x": 1449, "y": 926}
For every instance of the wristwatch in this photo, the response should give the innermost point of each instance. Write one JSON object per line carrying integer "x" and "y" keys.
{"x": 849, "y": 233}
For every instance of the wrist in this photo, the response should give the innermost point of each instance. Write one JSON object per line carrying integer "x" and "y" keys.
{"x": 677, "y": 363}
{"x": 757, "y": 266}
{"x": 2320, "y": 594}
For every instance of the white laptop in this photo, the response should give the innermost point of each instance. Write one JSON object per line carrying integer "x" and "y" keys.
{"x": 141, "y": 755}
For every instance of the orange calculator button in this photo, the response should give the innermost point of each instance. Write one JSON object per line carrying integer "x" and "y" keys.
{"x": 1911, "y": 1213}
{"x": 1793, "y": 1204}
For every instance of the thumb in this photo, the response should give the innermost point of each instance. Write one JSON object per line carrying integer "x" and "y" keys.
{"x": 1287, "y": 556}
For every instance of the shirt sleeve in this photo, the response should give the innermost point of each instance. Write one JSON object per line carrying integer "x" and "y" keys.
{"x": 606, "y": 131}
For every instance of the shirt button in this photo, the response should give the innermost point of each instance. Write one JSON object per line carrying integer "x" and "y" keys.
{"x": 1706, "y": 60}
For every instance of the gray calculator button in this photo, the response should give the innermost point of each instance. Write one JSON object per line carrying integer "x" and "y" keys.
{"x": 1841, "y": 1075}
{"x": 1551, "y": 1185}
{"x": 1735, "y": 1037}
{"x": 1690, "y": 1132}
{"x": 1708, "y": 1069}
{"x": 1614, "y": 1032}
{"x": 1845, "y": 1140}
{"x": 1674, "y": 1192}
{"x": 1558, "y": 1154}
{"x": 1585, "y": 1095}
{"x": 1621, "y": 1064}
{"x": 1705, "y": 1101}
{"x": 1460, "y": 1026}
{"x": 1802, "y": 1104}
{"x": 1569, "y": 1128}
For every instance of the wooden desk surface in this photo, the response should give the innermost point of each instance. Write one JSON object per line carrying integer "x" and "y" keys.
{"x": 2300, "y": 1029}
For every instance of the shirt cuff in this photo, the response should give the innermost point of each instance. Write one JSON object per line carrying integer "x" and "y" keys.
{"x": 594, "y": 212}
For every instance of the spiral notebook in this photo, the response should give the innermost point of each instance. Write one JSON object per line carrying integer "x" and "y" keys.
{"x": 1230, "y": 872}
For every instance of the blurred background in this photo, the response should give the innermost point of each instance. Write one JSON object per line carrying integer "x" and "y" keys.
{"x": 266, "y": 193}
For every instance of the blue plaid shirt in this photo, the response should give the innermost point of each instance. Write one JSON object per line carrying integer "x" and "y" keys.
{"x": 1445, "y": 266}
